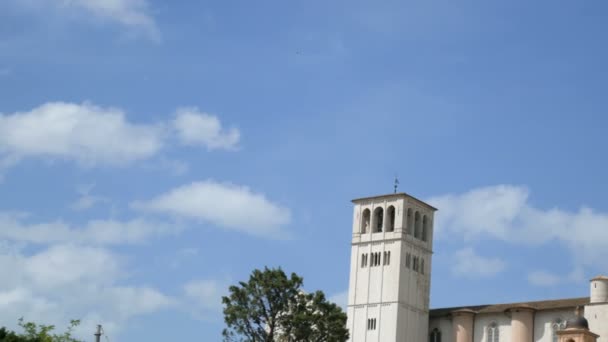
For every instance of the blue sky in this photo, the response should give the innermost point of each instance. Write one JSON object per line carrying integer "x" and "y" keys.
{"x": 153, "y": 153}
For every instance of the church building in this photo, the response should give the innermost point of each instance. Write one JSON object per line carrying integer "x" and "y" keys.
{"x": 390, "y": 280}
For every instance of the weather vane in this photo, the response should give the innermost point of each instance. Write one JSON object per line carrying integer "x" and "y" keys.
{"x": 396, "y": 184}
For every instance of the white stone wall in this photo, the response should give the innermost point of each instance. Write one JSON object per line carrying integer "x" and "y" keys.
{"x": 413, "y": 324}
{"x": 444, "y": 324}
{"x": 597, "y": 316}
{"x": 599, "y": 290}
{"x": 396, "y": 296}
{"x": 543, "y": 321}
{"x": 482, "y": 321}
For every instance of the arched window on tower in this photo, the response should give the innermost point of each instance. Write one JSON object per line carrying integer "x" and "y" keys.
{"x": 410, "y": 222}
{"x": 391, "y": 219}
{"x": 365, "y": 219}
{"x": 425, "y": 228}
{"x": 417, "y": 225}
{"x": 435, "y": 336}
{"x": 378, "y": 218}
{"x": 493, "y": 332}
{"x": 557, "y": 325}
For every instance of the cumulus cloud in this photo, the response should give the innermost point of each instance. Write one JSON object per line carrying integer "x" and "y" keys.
{"x": 98, "y": 136}
{"x": 84, "y": 133}
{"x": 467, "y": 263}
{"x": 13, "y": 227}
{"x": 181, "y": 256}
{"x": 134, "y": 15}
{"x": 546, "y": 279}
{"x": 201, "y": 129}
{"x": 206, "y": 294}
{"x": 63, "y": 265}
{"x": 87, "y": 200}
{"x": 223, "y": 204}
{"x": 543, "y": 278}
{"x": 504, "y": 213}
{"x": 69, "y": 281}
{"x": 64, "y": 281}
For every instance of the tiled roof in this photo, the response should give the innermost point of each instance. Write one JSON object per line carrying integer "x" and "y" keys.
{"x": 494, "y": 308}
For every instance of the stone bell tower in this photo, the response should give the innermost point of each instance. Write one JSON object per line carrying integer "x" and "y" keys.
{"x": 390, "y": 269}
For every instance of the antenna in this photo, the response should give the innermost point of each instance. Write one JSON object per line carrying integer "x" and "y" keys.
{"x": 396, "y": 184}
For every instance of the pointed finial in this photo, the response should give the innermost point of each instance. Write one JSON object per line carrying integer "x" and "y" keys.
{"x": 396, "y": 184}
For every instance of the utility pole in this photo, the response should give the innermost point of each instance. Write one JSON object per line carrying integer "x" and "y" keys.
{"x": 98, "y": 333}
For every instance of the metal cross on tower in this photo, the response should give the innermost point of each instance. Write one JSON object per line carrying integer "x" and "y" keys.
{"x": 396, "y": 184}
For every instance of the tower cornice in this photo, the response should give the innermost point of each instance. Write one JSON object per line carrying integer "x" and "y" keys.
{"x": 397, "y": 195}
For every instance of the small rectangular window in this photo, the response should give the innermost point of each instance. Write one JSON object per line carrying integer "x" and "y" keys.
{"x": 371, "y": 324}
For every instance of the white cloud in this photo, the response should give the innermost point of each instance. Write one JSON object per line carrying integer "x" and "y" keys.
{"x": 134, "y": 15}
{"x": 69, "y": 281}
{"x": 86, "y": 199}
{"x": 96, "y": 232}
{"x": 543, "y": 278}
{"x": 196, "y": 128}
{"x": 467, "y": 263}
{"x": 206, "y": 294}
{"x": 546, "y": 279}
{"x": 86, "y": 202}
{"x": 84, "y": 133}
{"x": 490, "y": 210}
{"x": 504, "y": 212}
{"x": 132, "y": 301}
{"x": 181, "y": 256}
{"x": 60, "y": 266}
{"x": 96, "y": 136}
{"x": 226, "y": 205}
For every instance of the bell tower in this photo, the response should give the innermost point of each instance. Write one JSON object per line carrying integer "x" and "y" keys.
{"x": 390, "y": 269}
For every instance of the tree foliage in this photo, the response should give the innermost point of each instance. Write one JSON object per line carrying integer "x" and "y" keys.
{"x": 271, "y": 307}
{"x": 33, "y": 332}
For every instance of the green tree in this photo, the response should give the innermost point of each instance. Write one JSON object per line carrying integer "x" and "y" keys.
{"x": 271, "y": 307}
{"x": 33, "y": 332}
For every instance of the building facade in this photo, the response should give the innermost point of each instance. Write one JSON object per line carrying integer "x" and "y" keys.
{"x": 390, "y": 279}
